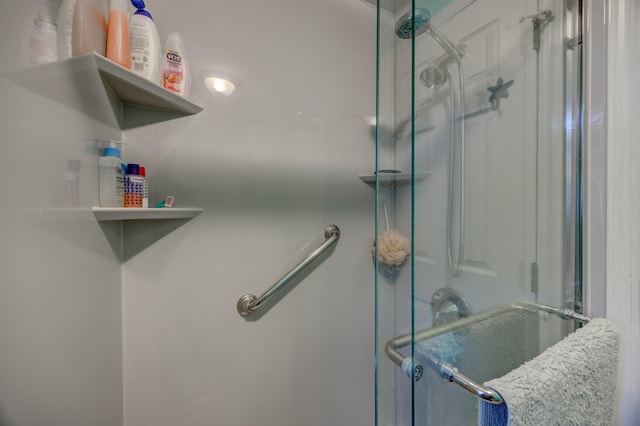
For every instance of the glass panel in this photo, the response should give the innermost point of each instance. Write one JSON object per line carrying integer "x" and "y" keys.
{"x": 389, "y": 186}
{"x": 476, "y": 156}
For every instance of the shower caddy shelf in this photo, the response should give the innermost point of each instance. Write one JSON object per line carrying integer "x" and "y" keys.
{"x": 104, "y": 214}
{"x": 101, "y": 88}
{"x": 393, "y": 178}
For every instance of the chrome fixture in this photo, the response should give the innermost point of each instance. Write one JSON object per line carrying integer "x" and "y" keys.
{"x": 411, "y": 21}
{"x": 415, "y": 23}
{"x": 418, "y": 21}
{"x": 448, "y": 305}
{"x": 249, "y": 303}
{"x": 539, "y": 21}
{"x": 450, "y": 372}
{"x": 437, "y": 74}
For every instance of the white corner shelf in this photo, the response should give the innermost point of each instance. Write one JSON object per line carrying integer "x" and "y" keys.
{"x": 99, "y": 87}
{"x": 393, "y": 178}
{"x": 104, "y": 214}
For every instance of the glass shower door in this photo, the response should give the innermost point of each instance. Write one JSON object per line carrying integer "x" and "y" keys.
{"x": 471, "y": 160}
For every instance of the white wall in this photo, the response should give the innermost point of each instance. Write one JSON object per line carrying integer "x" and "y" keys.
{"x": 622, "y": 206}
{"x": 60, "y": 297}
{"x": 612, "y": 213}
{"x": 272, "y": 165}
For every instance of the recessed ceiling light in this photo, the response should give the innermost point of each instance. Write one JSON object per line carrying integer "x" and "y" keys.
{"x": 219, "y": 85}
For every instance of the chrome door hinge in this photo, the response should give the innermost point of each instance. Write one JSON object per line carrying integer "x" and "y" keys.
{"x": 539, "y": 21}
{"x": 573, "y": 42}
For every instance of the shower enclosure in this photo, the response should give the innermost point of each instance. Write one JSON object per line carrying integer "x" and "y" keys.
{"x": 477, "y": 197}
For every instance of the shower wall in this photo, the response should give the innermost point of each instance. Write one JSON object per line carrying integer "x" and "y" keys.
{"x": 617, "y": 159}
{"x": 60, "y": 298}
{"x": 513, "y": 161}
{"x": 136, "y": 324}
{"x": 271, "y": 165}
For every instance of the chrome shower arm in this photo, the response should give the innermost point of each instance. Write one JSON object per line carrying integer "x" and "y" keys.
{"x": 444, "y": 42}
{"x": 448, "y": 57}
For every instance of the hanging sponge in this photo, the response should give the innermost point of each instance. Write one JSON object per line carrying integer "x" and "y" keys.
{"x": 393, "y": 248}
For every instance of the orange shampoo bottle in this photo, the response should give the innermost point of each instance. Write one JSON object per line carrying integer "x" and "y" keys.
{"x": 118, "y": 49}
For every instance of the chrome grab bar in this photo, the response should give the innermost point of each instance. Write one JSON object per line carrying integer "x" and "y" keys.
{"x": 250, "y": 303}
{"x": 448, "y": 371}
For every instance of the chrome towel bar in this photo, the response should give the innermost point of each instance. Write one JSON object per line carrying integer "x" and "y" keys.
{"x": 250, "y": 303}
{"x": 450, "y": 372}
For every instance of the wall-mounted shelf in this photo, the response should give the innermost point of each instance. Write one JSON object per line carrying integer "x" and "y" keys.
{"x": 393, "y": 178}
{"x": 141, "y": 227}
{"x": 104, "y": 90}
{"x": 104, "y": 214}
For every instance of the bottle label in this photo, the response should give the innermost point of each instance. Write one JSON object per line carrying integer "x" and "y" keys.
{"x": 43, "y": 45}
{"x": 111, "y": 184}
{"x": 133, "y": 191}
{"x": 140, "y": 47}
{"x": 119, "y": 195}
{"x": 173, "y": 73}
{"x": 71, "y": 189}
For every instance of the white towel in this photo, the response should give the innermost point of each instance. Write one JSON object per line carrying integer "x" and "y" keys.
{"x": 571, "y": 383}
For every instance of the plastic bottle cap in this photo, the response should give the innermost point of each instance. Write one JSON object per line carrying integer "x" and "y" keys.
{"x": 139, "y": 4}
{"x": 114, "y": 143}
{"x": 143, "y": 171}
{"x": 111, "y": 152}
{"x": 133, "y": 169}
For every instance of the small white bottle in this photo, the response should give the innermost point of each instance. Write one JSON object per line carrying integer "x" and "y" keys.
{"x": 175, "y": 66}
{"x": 42, "y": 40}
{"x": 64, "y": 24}
{"x": 145, "y": 45}
{"x": 72, "y": 184}
{"x": 111, "y": 177}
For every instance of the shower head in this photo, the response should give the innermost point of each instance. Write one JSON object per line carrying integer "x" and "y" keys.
{"x": 436, "y": 74}
{"x": 413, "y": 20}
{"x": 416, "y": 22}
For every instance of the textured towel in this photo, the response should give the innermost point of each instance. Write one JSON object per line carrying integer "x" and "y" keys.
{"x": 571, "y": 383}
